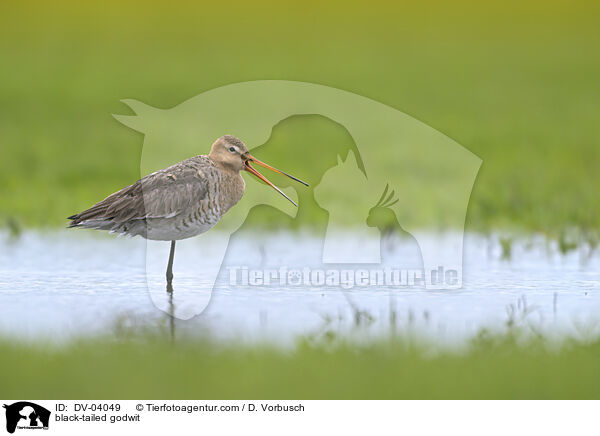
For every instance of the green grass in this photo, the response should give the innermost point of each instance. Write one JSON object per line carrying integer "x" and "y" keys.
{"x": 515, "y": 82}
{"x": 137, "y": 367}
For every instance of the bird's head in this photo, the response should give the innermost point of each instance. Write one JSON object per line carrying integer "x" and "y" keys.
{"x": 231, "y": 153}
{"x": 227, "y": 151}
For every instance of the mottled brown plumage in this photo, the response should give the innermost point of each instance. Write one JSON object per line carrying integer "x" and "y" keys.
{"x": 174, "y": 203}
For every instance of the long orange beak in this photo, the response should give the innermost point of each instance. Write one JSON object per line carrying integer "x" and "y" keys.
{"x": 250, "y": 169}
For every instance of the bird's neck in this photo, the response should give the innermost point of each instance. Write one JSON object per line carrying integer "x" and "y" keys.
{"x": 224, "y": 166}
{"x": 233, "y": 188}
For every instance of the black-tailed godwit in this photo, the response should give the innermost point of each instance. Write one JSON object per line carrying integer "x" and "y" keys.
{"x": 181, "y": 201}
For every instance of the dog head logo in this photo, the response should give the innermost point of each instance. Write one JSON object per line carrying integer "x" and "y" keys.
{"x": 26, "y": 415}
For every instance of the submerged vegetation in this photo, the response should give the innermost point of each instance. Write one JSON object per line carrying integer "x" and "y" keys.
{"x": 513, "y": 361}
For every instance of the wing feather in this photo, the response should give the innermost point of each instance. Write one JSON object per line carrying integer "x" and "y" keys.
{"x": 162, "y": 194}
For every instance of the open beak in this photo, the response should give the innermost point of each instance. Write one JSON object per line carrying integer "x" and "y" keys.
{"x": 250, "y": 169}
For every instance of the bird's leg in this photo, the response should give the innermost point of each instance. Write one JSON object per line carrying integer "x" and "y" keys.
{"x": 170, "y": 268}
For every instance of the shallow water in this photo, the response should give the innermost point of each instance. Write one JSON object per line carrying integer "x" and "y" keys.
{"x": 71, "y": 283}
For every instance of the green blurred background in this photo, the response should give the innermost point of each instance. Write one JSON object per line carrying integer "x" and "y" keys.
{"x": 492, "y": 367}
{"x": 517, "y": 83}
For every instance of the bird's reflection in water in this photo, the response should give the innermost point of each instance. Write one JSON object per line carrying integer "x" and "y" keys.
{"x": 171, "y": 313}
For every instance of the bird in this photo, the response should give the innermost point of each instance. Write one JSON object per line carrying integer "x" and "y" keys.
{"x": 180, "y": 201}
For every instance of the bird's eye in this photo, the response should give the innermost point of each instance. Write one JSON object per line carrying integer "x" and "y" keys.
{"x": 231, "y": 149}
